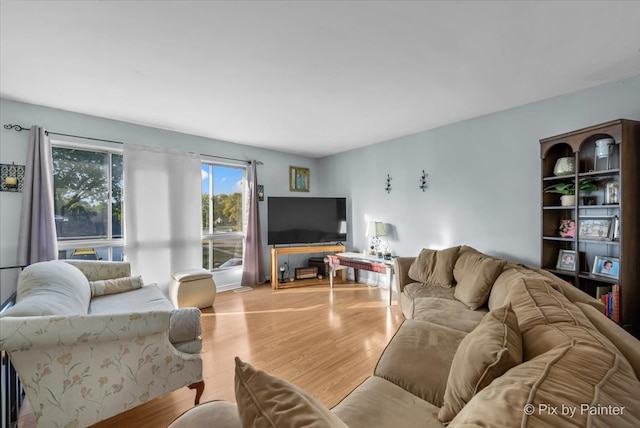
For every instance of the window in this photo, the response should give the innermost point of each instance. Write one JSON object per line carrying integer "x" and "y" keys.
{"x": 222, "y": 216}
{"x": 88, "y": 202}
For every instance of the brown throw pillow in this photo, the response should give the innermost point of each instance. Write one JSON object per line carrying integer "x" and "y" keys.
{"x": 434, "y": 267}
{"x": 113, "y": 286}
{"x": 485, "y": 354}
{"x": 267, "y": 401}
{"x": 479, "y": 272}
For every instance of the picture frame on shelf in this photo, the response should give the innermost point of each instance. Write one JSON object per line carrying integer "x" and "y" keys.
{"x": 616, "y": 229}
{"x": 596, "y": 228}
{"x": 566, "y": 260}
{"x": 567, "y": 228}
{"x": 606, "y": 266}
{"x": 299, "y": 179}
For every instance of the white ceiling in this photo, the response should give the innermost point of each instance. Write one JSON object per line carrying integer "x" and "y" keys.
{"x": 315, "y": 77}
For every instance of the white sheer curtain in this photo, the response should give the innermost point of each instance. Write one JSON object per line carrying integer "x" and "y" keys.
{"x": 252, "y": 265}
{"x": 37, "y": 239}
{"x": 163, "y": 212}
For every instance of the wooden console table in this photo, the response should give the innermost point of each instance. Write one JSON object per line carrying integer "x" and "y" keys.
{"x": 359, "y": 261}
{"x": 277, "y": 251}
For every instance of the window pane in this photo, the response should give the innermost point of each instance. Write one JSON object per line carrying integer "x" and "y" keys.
{"x": 117, "y": 254}
{"x": 227, "y": 198}
{"x": 227, "y": 251}
{"x": 98, "y": 253}
{"x": 206, "y": 171}
{"x": 222, "y": 216}
{"x": 206, "y": 262}
{"x": 117, "y": 185}
{"x": 81, "y": 193}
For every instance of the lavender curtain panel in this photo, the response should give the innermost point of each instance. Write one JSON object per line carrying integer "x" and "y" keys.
{"x": 163, "y": 212}
{"x": 37, "y": 240}
{"x": 252, "y": 263}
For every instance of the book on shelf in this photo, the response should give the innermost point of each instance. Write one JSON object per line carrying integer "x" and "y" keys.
{"x": 616, "y": 303}
{"x": 611, "y": 301}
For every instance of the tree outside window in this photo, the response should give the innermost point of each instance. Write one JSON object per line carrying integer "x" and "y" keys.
{"x": 222, "y": 216}
{"x": 88, "y": 188}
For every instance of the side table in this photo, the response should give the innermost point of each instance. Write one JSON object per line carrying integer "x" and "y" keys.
{"x": 359, "y": 261}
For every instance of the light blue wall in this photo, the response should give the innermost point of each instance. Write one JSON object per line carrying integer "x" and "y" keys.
{"x": 274, "y": 174}
{"x": 484, "y": 175}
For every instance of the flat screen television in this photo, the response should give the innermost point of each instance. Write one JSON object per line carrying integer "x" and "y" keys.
{"x": 295, "y": 220}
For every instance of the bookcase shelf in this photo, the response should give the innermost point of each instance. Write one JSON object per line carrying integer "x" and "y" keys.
{"x": 621, "y": 168}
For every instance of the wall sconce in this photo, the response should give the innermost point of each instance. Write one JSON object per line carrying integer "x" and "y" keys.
{"x": 423, "y": 181}
{"x": 260, "y": 192}
{"x": 387, "y": 186}
{"x": 11, "y": 177}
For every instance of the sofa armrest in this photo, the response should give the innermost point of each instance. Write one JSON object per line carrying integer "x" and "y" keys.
{"x": 78, "y": 370}
{"x": 96, "y": 270}
{"x": 628, "y": 345}
{"x": 24, "y": 333}
{"x": 401, "y": 267}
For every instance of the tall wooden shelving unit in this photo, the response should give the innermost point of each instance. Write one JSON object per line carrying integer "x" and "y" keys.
{"x": 623, "y": 168}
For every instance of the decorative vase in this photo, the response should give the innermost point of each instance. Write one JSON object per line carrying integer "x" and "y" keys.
{"x": 612, "y": 193}
{"x": 565, "y": 166}
{"x": 568, "y": 200}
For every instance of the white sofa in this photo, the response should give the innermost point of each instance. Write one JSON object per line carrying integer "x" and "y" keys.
{"x": 89, "y": 342}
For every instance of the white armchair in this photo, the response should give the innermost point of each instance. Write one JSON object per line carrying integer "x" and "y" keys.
{"x": 79, "y": 366}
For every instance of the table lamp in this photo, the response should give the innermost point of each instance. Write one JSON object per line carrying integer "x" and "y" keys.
{"x": 375, "y": 229}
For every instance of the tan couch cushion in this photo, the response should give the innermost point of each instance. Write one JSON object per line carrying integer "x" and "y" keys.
{"x": 628, "y": 345}
{"x": 458, "y": 269}
{"x": 447, "y": 312}
{"x": 418, "y": 359}
{"x": 584, "y": 377}
{"x": 486, "y": 353}
{"x": 507, "y": 278}
{"x": 437, "y": 305}
{"x": 478, "y": 273}
{"x": 267, "y": 401}
{"x": 547, "y": 319}
{"x": 380, "y": 403}
{"x": 434, "y": 267}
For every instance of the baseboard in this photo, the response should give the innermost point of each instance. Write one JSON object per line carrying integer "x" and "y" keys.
{"x": 228, "y": 287}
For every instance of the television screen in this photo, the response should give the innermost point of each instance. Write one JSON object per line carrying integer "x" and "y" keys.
{"x": 306, "y": 220}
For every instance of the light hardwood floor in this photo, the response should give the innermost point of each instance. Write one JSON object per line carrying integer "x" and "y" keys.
{"x": 325, "y": 341}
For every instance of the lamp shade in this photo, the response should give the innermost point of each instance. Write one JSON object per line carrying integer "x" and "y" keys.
{"x": 376, "y": 228}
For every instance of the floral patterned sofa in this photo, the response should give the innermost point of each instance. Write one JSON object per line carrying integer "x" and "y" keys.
{"x": 89, "y": 341}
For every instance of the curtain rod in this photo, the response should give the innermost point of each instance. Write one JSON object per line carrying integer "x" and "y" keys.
{"x": 22, "y": 128}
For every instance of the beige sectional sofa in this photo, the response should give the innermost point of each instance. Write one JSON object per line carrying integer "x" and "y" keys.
{"x": 89, "y": 341}
{"x": 486, "y": 342}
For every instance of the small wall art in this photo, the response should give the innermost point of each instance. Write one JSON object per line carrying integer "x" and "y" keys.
{"x": 423, "y": 181}
{"x": 11, "y": 177}
{"x": 299, "y": 179}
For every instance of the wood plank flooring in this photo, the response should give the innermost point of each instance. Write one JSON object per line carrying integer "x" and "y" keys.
{"x": 324, "y": 341}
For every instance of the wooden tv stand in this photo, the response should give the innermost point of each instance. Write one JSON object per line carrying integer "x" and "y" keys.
{"x": 277, "y": 251}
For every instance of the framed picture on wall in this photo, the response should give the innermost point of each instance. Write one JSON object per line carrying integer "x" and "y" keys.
{"x": 298, "y": 179}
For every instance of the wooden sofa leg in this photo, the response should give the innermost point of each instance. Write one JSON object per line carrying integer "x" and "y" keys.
{"x": 199, "y": 387}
